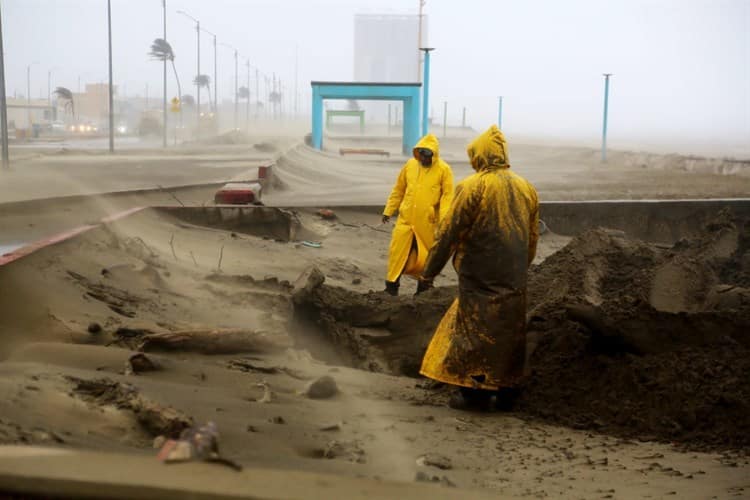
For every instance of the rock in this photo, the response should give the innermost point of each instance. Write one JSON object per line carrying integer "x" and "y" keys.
{"x": 278, "y": 420}
{"x": 435, "y": 460}
{"x": 356, "y": 281}
{"x": 159, "y": 442}
{"x": 423, "y": 477}
{"x": 139, "y": 363}
{"x": 94, "y": 328}
{"x": 306, "y": 284}
{"x": 267, "y": 394}
{"x": 322, "y": 388}
{"x": 350, "y": 451}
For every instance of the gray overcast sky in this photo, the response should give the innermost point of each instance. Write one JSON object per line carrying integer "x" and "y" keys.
{"x": 681, "y": 67}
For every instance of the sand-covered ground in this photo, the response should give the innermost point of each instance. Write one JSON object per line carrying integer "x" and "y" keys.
{"x": 73, "y": 314}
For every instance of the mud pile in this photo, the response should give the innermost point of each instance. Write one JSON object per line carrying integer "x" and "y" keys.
{"x": 633, "y": 339}
{"x": 643, "y": 341}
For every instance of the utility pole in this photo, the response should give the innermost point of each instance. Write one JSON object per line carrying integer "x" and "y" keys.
{"x": 111, "y": 98}
{"x": 500, "y": 112}
{"x": 164, "y": 77}
{"x": 463, "y": 118}
{"x": 236, "y": 91}
{"x": 604, "y": 122}
{"x": 419, "y": 40}
{"x": 247, "y": 104}
{"x": 257, "y": 92}
{"x": 445, "y": 118}
{"x": 296, "y": 81}
{"x": 3, "y": 104}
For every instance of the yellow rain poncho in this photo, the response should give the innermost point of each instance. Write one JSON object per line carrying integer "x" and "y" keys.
{"x": 492, "y": 230}
{"x": 422, "y": 196}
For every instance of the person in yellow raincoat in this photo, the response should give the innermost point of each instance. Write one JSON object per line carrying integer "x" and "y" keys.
{"x": 491, "y": 230}
{"x": 422, "y": 195}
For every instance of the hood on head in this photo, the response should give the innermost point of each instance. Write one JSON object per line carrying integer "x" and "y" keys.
{"x": 430, "y": 142}
{"x": 489, "y": 150}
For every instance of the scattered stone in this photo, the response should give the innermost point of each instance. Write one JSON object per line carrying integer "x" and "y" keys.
{"x": 356, "y": 281}
{"x": 350, "y": 451}
{"x": 159, "y": 442}
{"x": 278, "y": 420}
{"x": 332, "y": 427}
{"x": 139, "y": 363}
{"x": 251, "y": 428}
{"x": 423, "y": 477}
{"x": 435, "y": 460}
{"x": 267, "y": 394}
{"x": 94, "y": 328}
{"x": 322, "y": 388}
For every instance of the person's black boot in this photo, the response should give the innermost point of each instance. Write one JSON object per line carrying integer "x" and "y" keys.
{"x": 471, "y": 400}
{"x": 423, "y": 286}
{"x": 391, "y": 288}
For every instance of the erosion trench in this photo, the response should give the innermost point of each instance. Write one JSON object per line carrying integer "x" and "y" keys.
{"x": 641, "y": 340}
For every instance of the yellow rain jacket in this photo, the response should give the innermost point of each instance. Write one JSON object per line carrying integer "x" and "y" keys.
{"x": 492, "y": 230}
{"x": 422, "y": 196}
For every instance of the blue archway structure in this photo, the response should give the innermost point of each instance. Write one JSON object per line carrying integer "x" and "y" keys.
{"x": 408, "y": 93}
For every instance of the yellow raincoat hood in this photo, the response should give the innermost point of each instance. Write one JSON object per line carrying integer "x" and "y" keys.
{"x": 428, "y": 142}
{"x": 489, "y": 151}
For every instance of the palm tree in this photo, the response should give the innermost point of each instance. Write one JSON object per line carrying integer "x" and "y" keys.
{"x": 66, "y": 95}
{"x": 162, "y": 51}
{"x": 204, "y": 81}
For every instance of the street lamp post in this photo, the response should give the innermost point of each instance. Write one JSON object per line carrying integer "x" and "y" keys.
{"x": 28, "y": 94}
{"x": 164, "y": 76}
{"x": 247, "y": 104}
{"x": 111, "y": 87}
{"x": 49, "y": 85}
{"x": 216, "y": 73}
{"x": 3, "y": 108}
{"x": 236, "y": 55}
{"x": 604, "y": 121}
{"x": 197, "y": 85}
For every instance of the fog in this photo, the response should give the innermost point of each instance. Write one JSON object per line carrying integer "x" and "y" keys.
{"x": 681, "y": 67}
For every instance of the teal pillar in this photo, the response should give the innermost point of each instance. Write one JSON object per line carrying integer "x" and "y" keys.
{"x": 410, "y": 125}
{"x": 317, "y": 119}
{"x": 604, "y": 121}
{"x": 425, "y": 90}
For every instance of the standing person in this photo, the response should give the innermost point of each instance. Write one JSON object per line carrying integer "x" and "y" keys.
{"x": 422, "y": 195}
{"x": 491, "y": 230}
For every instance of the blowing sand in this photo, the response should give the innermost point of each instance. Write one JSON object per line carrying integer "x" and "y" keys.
{"x": 605, "y": 413}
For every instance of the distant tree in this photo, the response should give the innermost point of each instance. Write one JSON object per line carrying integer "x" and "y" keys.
{"x": 243, "y": 93}
{"x": 162, "y": 51}
{"x": 274, "y": 97}
{"x": 188, "y": 100}
{"x": 204, "y": 81}
{"x": 66, "y": 95}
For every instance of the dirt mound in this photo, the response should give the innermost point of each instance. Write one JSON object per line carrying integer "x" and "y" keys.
{"x": 373, "y": 331}
{"x": 645, "y": 341}
{"x": 629, "y": 338}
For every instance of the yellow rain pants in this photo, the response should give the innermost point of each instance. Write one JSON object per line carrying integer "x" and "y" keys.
{"x": 422, "y": 196}
{"x": 491, "y": 230}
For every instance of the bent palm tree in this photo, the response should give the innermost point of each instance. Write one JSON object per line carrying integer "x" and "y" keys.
{"x": 204, "y": 81}
{"x": 162, "y": 51}
{"x": 66, "y": 95}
